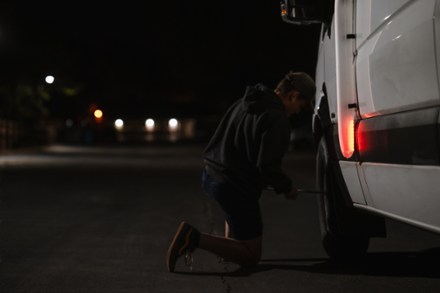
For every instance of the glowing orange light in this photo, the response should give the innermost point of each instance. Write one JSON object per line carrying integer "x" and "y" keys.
{"x": 347, "y": 137}
{"x": 351, "y": 137}
{"x": 98, "y": 114}
{"x": 283, "y": 9}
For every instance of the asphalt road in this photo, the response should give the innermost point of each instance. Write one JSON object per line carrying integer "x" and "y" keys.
{"x": 77, "y": 219}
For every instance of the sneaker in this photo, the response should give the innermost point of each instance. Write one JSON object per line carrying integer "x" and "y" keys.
{"x": 185, "y": 241}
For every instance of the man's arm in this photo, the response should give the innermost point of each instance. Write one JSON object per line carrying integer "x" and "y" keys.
{"x": 273, "y": 146}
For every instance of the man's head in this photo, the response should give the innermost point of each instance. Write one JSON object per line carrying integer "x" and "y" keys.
{"x": 296, "y": 90}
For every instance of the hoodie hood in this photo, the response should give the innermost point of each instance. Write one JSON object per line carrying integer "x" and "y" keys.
{"x": 259, "y": 98}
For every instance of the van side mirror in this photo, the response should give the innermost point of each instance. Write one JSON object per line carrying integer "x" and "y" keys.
{"x": 300, "y": 12}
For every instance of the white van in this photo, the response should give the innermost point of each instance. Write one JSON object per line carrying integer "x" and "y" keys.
{"x": 376, "y": 117}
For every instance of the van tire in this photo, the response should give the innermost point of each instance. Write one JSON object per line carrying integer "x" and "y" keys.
{"x": 341, "y": 237}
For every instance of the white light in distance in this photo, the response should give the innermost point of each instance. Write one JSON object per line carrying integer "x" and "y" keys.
{"x": 119, "y": 123}
{"x": 49, "y": 79}
{"x": 173, "y": 124}
{"x": 149, "y": 124}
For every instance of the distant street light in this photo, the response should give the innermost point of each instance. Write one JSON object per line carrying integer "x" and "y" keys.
{"x": 98, "y": 114}
{"x": 49, "y": 79}
{"x": 149, "y": 124}
{"x": 173, "y": 124}
{"x": 119, "y": 124}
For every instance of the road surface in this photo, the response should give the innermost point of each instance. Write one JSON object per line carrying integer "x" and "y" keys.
{"x": 94, "y": 219}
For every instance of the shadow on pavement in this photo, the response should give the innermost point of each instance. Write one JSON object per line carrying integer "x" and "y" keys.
{"x": 396, "y": 264}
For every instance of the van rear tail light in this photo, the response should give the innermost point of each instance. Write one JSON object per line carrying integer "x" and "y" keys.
{"x": 361, "y": 142}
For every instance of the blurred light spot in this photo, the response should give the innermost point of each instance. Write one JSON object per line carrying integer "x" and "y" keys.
{"x": 69, "y": 123}
{"x": 98, "y": 114}
{"x": 173, "y": 124}
{"x": 69, "y": 91}
{"x": 119, "y": 124}
{"x": 149, "y": 124}
{"x": 49, "y": 79}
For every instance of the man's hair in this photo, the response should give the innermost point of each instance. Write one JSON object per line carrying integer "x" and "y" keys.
{"x": 299, "y": 81}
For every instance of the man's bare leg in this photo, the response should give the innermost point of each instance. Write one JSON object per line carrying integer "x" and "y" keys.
{"x": 242, "y": 252}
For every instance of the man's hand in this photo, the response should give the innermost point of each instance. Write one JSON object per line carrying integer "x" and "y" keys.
{"x": 292, "y": 195}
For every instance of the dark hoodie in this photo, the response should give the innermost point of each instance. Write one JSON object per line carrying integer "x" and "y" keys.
{"x": 250, "y": 142}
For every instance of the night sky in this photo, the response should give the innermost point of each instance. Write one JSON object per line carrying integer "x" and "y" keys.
{"x": 131, "y": 58}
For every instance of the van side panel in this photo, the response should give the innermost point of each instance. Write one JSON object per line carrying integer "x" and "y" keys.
{"x": 351, "y": 177}
{"x": 413, "y": 195}
{"x": 396, "y": 65}
{"x": 405, "y": 138}
{"x": 398, "y": 98}
{"x": 369, "y": 20}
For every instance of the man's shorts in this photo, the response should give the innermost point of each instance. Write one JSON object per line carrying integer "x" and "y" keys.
{"x": 241, "y": 211}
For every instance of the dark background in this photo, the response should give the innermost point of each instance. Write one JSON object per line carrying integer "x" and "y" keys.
{"x": 133, "y": 58}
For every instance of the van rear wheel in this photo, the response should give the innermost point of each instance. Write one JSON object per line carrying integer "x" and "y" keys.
{"x": 342, "y": 236}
